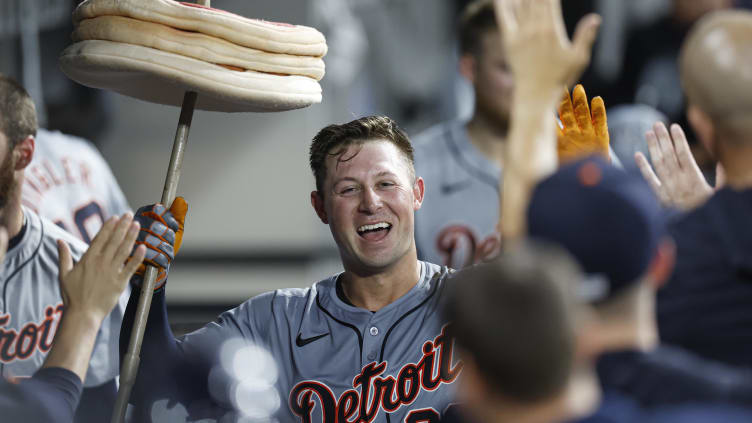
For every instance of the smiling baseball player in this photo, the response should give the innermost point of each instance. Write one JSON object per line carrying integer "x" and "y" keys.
{"x": 368, "y": 344}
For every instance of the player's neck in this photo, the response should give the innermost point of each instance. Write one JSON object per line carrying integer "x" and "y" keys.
{"x": 487, "y": 136}
{"x": 376, "y": 291}
{"x": 736, "y": 164}
{"x": 11, "y": 216}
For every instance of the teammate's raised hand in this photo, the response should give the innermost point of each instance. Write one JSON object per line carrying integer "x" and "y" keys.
{"x": 543, "y": 61}
{"x": 92, "y": 286}
{"x": 585, "y": 129}
{"x": 162, "y": 234}
{"x": 536, "y": 42}
{"x": 677, "y": 180}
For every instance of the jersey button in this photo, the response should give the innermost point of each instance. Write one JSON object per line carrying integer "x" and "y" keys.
{"x": 372, "y": 356}
{"x": 374, "y": 331}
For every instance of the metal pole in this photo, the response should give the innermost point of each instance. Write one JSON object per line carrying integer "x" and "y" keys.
{"x": 131, "y": 360}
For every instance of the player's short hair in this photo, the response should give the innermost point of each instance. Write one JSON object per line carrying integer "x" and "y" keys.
{"x": 333, "y": 140}
{"x": 476, "y": 20}
{"x": 18, "y": 116}
{"x": 515, "y": 317}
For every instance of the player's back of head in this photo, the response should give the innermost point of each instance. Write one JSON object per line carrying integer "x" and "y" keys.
{"x": 716, "y": 70}
{"x": 18, "y": 116}
{"x": 514, "y": 320}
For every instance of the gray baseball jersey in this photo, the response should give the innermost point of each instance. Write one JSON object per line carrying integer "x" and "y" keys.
{"x": 31, "y": 305}
{"x": 69, "y": 183}
{"x": 340, "y": 363}
{"x": 457, "y": 224}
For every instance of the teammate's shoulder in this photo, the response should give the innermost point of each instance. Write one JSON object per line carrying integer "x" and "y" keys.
{"x": 66, "y": 143}
{"x": 52, "y": 233}
{"x": 48, "y": 137}
{"x": 434, "y": 136}
{"x": 288, "y": 298}
{"x": 437, "y": 272}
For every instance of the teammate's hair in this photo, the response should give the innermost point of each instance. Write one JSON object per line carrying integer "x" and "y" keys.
{"x": 515, "y": 317}
{"x": 18, "y": 116}
{"x": 333, "y": 140}
{"x": 476, "y": 20}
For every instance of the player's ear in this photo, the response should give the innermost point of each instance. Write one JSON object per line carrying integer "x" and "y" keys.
{"x": 418, "y": 192}
{"x": 703, "y": 127}
{"x": 663, "y": 263}
{"x": 24, "y": 152}
{"x": 467, "y": 66}
{"x": 317, "y": 201}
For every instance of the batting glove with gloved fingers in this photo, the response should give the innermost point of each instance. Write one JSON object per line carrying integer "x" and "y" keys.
{"x": 162, "y": 233}
{"x": 585, "y": 129}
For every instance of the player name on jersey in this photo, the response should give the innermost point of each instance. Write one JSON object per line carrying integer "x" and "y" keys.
{"x": 43, "y": 176}
{"x": 373, "y": 392}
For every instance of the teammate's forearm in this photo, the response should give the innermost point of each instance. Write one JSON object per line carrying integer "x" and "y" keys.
{"x": 52, "y": 394}
{"x": 74, "y": 342}
{"x": 531, "y": 155}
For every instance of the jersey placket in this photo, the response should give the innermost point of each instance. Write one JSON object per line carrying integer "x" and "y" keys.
{"x": 372, "y": 340}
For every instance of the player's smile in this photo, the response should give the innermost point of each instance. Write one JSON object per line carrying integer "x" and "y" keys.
{"x": 375, "y": 231}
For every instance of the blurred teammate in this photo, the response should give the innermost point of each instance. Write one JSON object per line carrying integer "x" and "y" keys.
{"x": 462, "y": 162}
{"x": 90, "y": 290}
{"x": 69, "y": 183}
{"x": 32, "y": 302}
{"x": 610, "y": 222}
{"x": 705, "y": 308}
{"x": 514, "y": 320}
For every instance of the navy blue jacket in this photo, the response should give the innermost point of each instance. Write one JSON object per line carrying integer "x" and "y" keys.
{"x": 706, "y": 307}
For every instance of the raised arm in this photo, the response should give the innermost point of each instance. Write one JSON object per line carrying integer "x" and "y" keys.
{"x": 543, "y": 61}
{"x": 90, "y": 290}
{"x": 163, "y": 366}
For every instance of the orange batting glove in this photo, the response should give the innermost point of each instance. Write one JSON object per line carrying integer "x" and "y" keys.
{"x": 162, "y": 233}
{"x": 585, "y": 129}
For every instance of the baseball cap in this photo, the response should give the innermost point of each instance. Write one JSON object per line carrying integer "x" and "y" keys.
{"x": 609, "y": 220}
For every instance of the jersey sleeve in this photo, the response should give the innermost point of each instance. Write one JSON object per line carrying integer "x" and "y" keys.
{"x": 179, "y": 369}
{"x": 52, "y": 394}
{"x": 235, "y": 324}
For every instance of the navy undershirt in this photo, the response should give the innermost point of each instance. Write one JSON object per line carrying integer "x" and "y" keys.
{"x": 341, "y": 294}
{"x": 17, "y": 239}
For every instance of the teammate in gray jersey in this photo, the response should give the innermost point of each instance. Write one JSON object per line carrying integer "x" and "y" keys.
{"x": 462, "y": 162}
{"x": 69, "y": 183}
{"x": 31, "y": 303}
{"x": 367, "y": 344}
